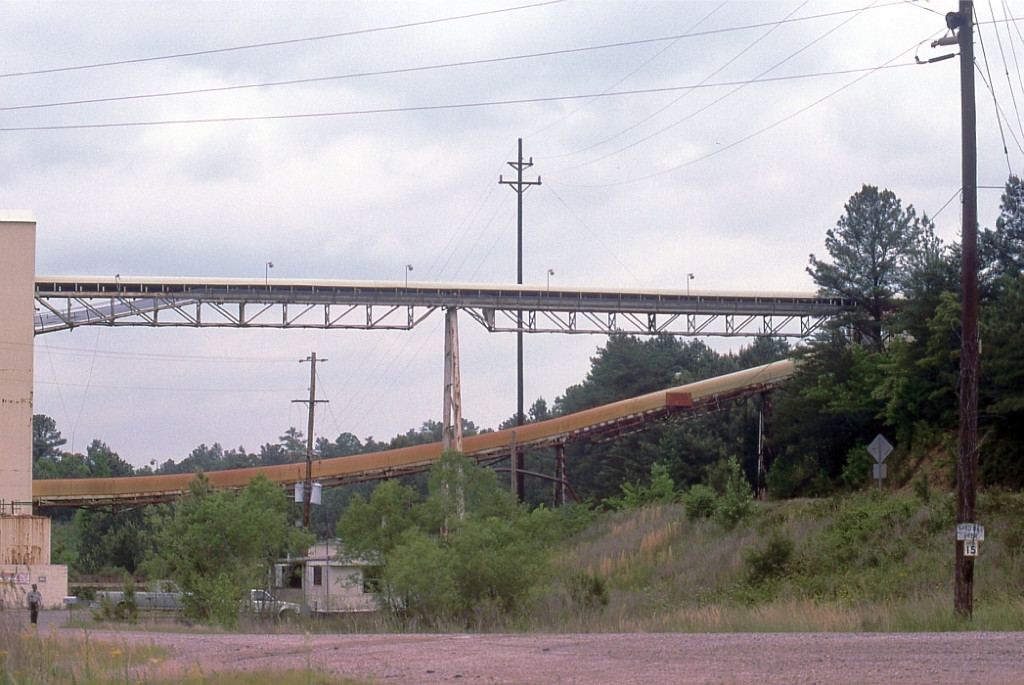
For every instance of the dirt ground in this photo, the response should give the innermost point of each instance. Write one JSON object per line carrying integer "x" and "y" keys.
{"x": 541, "y": 659}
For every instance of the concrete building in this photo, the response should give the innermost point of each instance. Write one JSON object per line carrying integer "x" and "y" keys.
{"x": 24, "y": 538}
{"x": 326, "y": 581}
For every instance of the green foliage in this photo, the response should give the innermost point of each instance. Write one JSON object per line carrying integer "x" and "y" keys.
{"x": 419, "y": 579}
{"x": 218, "y": 545}
{"x": 636, "y": 495}
{"x": 771, "y": 562}
{"x": 699, "y": 502}
{"x": 588, "y": 591}
{"x": 872, "y": 249}
{"x": 736, "y": 502}
{"x": 827, "y": 410}
{"x": 467, "y": 551}
{"x": 854, "y": 562}
{"x": 1001, "y": 251}
{"x": 370, "y": 530}
{"x": 858, "y": 468}
{"x": 457, "y": 486}
{"x": 866, "y": 529}
{"x": 575, "y": 517}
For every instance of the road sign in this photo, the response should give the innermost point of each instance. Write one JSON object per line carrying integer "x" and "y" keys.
{"x": 970, "y": 531}
{"x": 879, "y": 448}
{"x": 970, "y": 548}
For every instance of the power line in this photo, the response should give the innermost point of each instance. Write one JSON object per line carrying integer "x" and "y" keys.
{"x": 407, "y": 70}
{"x": 276, "y": 43}
{"x": 442, "y": 107}
{"x": 764, "y": 129}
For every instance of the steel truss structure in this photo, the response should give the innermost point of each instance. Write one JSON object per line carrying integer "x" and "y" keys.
{"x": 64, "y": 303}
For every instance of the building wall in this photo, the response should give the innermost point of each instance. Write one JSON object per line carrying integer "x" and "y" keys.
{"x": 341, "y": 582}
{"x": 24, "y": 540}
{"x": 17, "y": 307}
{"x": 16, "y": 580}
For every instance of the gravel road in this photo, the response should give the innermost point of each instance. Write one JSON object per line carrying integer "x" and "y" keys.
{"x": 863, "y": 658}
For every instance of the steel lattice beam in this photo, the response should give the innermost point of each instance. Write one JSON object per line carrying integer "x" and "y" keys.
{"x": 65, "y": 302}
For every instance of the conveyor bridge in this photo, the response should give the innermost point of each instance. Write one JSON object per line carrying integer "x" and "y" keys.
{"x": 601, "y": 423}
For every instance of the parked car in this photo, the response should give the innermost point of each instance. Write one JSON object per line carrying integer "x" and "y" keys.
{"x": 165, "y": 596}
{"x": 263, "y": 603}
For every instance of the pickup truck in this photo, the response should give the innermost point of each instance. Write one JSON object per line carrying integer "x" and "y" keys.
{"x": 263, "y": 603}
{"x": 165, "y": 596}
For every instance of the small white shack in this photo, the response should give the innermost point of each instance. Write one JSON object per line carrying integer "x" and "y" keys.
{"x": 326, "y": 581}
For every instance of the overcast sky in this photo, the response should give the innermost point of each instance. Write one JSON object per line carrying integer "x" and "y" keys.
{"x": 345, "y": 140}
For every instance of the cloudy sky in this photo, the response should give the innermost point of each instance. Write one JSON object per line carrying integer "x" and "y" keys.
{"x": 345, "y": 140}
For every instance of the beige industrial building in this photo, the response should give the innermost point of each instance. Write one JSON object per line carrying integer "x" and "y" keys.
{"x": 24, "y": 538}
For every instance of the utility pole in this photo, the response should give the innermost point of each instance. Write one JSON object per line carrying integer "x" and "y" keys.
{"x": 967, "y": 455}
{"x": 307, "y": 490}
{"x": 520, "y": 186}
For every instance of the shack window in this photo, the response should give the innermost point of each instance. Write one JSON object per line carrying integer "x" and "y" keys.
{"x": 292, "y": 576}
{"x": 318, "y": 575}
{"x": 373, "y": 577}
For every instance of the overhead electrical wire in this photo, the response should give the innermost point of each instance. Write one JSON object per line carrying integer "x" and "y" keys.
{"x": 275, "y": 43}
{"x": 722, "y": 148}
{"x": 718, "y": 100}
{"x": 1006, "y": 69}
{"x": 622, "y": 80}
{"x": 442, "y": 107}
{"x": 986, "y": 78}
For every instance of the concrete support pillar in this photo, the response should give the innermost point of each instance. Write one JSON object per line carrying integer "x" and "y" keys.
{"x": 451, "y": 433}
{"x": 17, "y": 300}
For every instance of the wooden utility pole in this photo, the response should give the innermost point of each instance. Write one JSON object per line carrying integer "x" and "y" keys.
{"x": 307, "y": 490}
{"x": 520, "y": 186}
{"x": 967, "y": 455}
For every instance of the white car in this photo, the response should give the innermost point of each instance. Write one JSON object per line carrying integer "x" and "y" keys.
{"x": 265, "y": 604}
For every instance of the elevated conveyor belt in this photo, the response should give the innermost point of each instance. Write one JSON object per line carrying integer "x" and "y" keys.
{"x": 599, "y": 423}
{"x": 67, "y": 302}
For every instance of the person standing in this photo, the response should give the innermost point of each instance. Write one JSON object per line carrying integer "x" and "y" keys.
{"x": 35, "y": 600}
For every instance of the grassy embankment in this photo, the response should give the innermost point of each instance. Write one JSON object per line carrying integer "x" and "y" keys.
{"x": 865, "y": 562}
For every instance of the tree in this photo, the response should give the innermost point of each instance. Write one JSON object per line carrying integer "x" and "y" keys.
{"x": 46, "y": 439}
{"x": 1001, "y": 251}
{"x": 482, "y": 562}
{"x": 1001, "y": 382}
{"x": 371, "y": 529}
{"x": 218, "y": 545}
{"x": 103, "y": 462}
{"x": 109, "y": 541}
{"x": 826, "y": 409}
{"x": 871, "y": 247}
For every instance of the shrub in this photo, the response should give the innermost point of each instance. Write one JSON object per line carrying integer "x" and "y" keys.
{"x": 737, "y": 502}
{"x": 587, "y": 591}
{"x": 699, "y": 502}
{"x": 772, "y": 562}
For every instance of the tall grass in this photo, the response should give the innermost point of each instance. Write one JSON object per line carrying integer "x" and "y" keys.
{"x": 33, "y": 656}
{"x": 865, "y": 562}
{"x": 30, "y": 656}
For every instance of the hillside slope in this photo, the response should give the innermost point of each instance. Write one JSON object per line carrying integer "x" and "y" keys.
{"x": 868, "y": 561}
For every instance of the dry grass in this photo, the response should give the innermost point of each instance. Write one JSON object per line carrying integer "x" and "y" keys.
{"x": 865, "y": 562}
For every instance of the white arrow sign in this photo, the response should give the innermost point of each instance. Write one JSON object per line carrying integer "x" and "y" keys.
{"x": 879, "y": 448}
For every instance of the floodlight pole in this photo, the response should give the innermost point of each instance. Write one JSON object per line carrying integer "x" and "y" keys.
{"x": 967, "y": 454}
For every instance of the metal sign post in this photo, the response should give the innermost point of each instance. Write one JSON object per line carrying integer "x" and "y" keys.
{"x": 879, "y": 449}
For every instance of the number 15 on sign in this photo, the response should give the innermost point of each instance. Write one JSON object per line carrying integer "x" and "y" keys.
{"x": 971, "y": 548}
